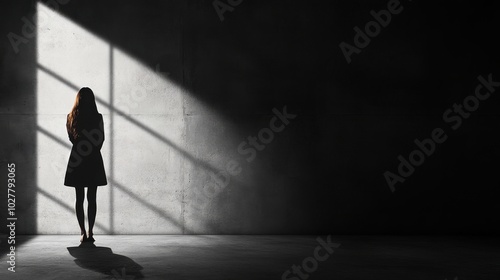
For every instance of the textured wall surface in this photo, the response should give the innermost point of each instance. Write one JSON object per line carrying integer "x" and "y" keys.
{"x": 147, "y": 117}
{"x": 193, "y": 105}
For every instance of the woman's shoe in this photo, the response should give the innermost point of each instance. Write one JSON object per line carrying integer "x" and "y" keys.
{"x": 90, "y": 239}
{"x": 83, "y": 238}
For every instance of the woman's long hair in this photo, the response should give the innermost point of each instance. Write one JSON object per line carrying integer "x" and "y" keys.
{"x": 84, "y": 112}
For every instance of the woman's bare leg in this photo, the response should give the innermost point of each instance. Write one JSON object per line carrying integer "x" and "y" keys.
{"x": 80, "y": 195}
{"x": 92, "y": 208}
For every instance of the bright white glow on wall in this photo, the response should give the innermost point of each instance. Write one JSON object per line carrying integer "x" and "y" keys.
{"x": 144, "y": 127}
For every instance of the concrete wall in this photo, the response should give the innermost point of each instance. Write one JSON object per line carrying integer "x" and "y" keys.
{"x": 181, "y": 90}
{"x": 18, "y": 118}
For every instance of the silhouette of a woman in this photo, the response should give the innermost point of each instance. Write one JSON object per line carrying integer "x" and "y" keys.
{"x": 85, "y": 166}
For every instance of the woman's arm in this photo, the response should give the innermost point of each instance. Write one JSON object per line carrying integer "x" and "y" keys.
{"x": 101, "y": 127}
{"x": 70, "y": 136}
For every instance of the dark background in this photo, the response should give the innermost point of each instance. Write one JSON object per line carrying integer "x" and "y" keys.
{"x": 353, "y": 119}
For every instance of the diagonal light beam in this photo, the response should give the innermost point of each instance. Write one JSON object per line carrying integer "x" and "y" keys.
{"x": 152, "y": 132}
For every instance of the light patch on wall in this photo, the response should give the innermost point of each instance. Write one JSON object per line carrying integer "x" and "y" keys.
{"x": 144, "y": 125}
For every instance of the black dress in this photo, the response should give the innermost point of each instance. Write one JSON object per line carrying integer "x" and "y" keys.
{"x": 85, "y": 166}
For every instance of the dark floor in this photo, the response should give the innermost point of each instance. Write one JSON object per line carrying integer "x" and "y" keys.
{"x": 254, "y": 257}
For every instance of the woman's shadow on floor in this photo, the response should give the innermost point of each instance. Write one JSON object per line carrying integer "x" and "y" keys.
{"x": 103, "y": 260}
